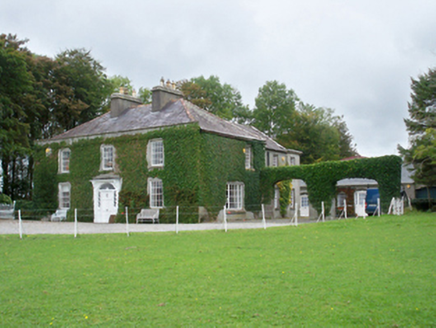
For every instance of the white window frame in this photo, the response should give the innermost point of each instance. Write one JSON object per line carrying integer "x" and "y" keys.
{"x": 107, "y": 162}
{"x": 64, "y": 162}
{"x": 341, "y": 199}
{"x": 235, "y": 192}
{"x": 304, "y": 200}
{"x": 156, "y": 193}
{"x": 64, "y": 195}
{"x": 156, "y": 153}
{"x": 276, "y": 197}
{"x": 292, "y": 161}
{"x": 248, "y": 157}
{"x": 275, "y": 161}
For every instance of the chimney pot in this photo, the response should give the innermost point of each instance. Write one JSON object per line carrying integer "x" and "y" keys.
{"x": 163, "y": 94}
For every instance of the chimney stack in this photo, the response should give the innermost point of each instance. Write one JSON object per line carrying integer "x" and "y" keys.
{"x": 163, "y": 94}
{"x": 121, "y": 101}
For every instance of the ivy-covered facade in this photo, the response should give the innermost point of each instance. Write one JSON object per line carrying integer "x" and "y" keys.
{"x": 162, "y": 155}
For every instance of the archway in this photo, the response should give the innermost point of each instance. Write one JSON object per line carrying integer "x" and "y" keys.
{"x": 321, "y": 178}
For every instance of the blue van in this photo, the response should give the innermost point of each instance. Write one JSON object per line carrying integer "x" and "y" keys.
{"x": 372, "y": 195}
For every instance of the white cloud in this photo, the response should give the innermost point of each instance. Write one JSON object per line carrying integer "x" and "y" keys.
{"x": 356, "y": 57}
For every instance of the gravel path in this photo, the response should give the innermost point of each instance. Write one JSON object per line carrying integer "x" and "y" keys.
{"x": 43, "y": 227}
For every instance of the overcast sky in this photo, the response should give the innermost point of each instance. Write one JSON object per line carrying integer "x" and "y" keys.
{"x": 354, "y": 56}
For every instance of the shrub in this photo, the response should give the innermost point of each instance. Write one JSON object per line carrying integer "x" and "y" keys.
{"x": 5, "y": 199}
{"x": 424, "y": 204}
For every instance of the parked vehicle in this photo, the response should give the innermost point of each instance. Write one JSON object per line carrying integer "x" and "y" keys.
{"x": 372, "y": 195}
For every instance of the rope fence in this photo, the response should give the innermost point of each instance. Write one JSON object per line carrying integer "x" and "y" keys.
{"x": 81, "y": 220}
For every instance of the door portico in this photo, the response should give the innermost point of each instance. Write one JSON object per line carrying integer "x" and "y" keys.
{"x": 106, "y": 190}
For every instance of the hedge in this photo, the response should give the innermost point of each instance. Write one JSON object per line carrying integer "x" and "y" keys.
{"x": 321, "y": 178}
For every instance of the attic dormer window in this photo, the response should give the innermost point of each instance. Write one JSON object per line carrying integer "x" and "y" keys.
{"x": 107, "y": 157}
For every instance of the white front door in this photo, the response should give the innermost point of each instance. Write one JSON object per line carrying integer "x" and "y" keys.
{"x": 359, "y": 202}
{"x": 304, "y": 208}
{"x": 107, "y": 203}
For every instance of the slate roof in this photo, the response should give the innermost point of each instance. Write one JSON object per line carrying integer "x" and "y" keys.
{"x": 141, "y": 119}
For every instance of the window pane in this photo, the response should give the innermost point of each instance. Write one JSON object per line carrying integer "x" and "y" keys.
{"x": 157, "y": 153}
{"x": 234, "y": 193}
{"x": 341, "y": 199}
{"x": 248, "y": 157}
{"x": 276, "y": 197}
{"x": 64, "y": 196}
{"x": 156, "y": 193}
{"x": 65, "y": 160}
{"x": 276, "y": 160}
{"x": 108, "y": 157}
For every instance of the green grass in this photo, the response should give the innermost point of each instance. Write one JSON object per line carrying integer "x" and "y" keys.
{"x": 373, "y": 272}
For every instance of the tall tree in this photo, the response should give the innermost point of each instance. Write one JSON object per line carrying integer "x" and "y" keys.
{"x": 346, "y": 146}
{"x": 80, "y": 88}
{"x": 220, "y": 99}
{"x": 41, "y": 97}
{"x": 274, "y": 108}
{"x": 15, "y": 86}
{"x": 313, "y": 133}
{"x": 422, "y": 129}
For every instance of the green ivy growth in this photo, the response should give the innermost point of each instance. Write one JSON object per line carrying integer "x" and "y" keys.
{"x": 321, "y": 178}
{"x": 197, "y": 167}
{"x": 285, "y": 188}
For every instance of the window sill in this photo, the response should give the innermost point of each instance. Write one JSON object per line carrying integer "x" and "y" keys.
{"x": 156, "y": 167}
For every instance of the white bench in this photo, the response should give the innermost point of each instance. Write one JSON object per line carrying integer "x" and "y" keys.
{"x": 7, "y": 211}
{"x": 59, "y": 215}
{"x": 148, "y": 215}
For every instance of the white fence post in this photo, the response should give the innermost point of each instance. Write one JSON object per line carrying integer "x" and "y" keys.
{"x": 225, "y": 219}
{"x": 345, "y": 209}
{"x": 391, "y": 205}
{"x": 177, "y": 219}
{"x": 127, "y": 221}
{"x": 20, "y": 227}
{"x": 263, "y": 217}
{"x": 75, "y": 222}
{"x": 322, "y": 215}
{"x": 378, "y": 206}
{"x": 323, "y": 212}
{"x": 402, "y": 205}
{"x": 295, "y": 218}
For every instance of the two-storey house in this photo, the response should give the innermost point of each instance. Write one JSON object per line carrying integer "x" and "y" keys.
{"x": 160, "y": 155}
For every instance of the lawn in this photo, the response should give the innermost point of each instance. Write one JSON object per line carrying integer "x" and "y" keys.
{"x": 373, "y": 272}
